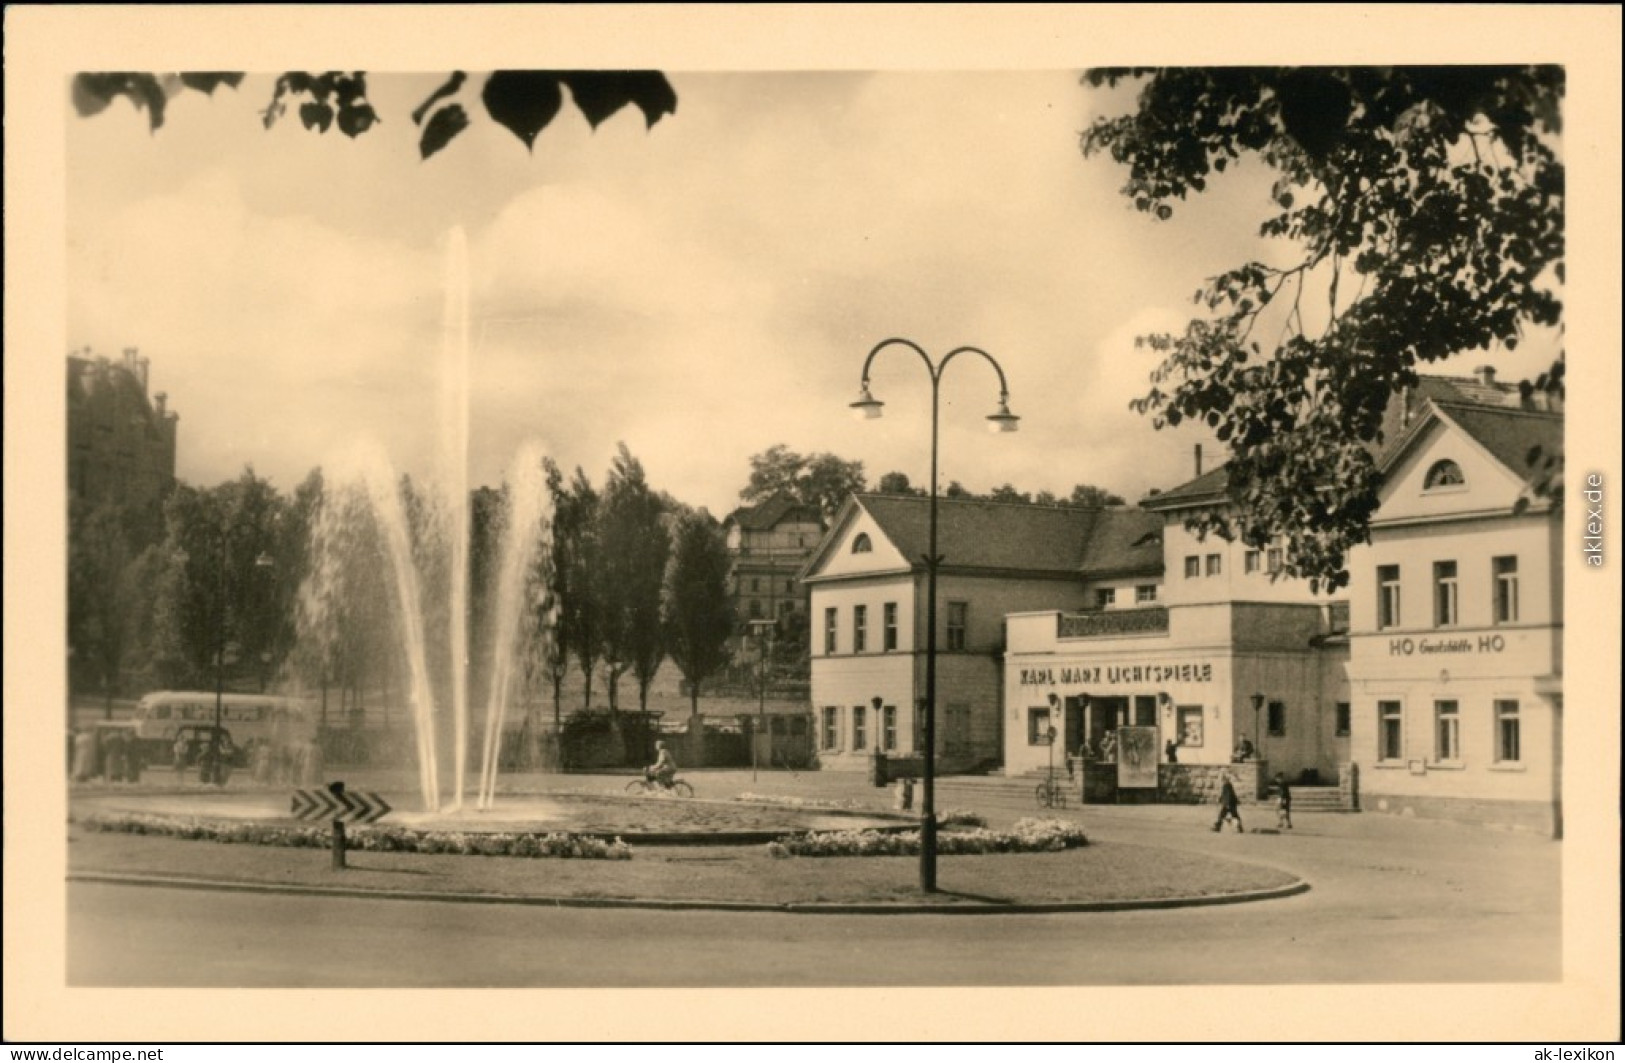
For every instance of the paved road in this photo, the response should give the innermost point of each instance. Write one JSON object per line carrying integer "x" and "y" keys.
{"x": 1393, "y": 901}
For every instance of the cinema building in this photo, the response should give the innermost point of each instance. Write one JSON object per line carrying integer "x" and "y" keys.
{"x": 1430, "y": 686}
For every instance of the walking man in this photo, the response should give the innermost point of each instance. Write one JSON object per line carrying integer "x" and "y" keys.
{"x": 1229, "y": 805}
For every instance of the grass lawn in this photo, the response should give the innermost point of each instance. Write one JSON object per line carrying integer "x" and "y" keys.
{"x": 1098, "y": 872}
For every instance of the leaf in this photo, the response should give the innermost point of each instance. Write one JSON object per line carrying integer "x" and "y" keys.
{"x": 93, "y": 92}
{"x": 206, "y": 83}
{"x": 524, "y": 101}
{"x": 315, "y": 115}
{"x": 452, "y": 84}
{"x": 355, "y": 120}
{"x": 601, "y": 94}
{"x": 445, "y": 124}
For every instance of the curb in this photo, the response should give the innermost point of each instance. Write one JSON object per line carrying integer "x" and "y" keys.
{"x": 793, "y": 908}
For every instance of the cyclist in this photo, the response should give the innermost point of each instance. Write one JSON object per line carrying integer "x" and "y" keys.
{"x": 664, "y": 769}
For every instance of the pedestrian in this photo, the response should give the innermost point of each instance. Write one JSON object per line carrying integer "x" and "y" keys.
{"x": 1283, "y": 803}
{"x": 1229, "y": 805}
{"x": 1172, "y": 750}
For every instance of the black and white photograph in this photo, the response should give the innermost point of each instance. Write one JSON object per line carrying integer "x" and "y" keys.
{"x": 883, "y": 523}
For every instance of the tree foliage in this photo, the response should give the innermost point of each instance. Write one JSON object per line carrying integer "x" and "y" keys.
{"x": 1424, "y": 209}
{"x": 822, "y": 481}
{"x": 522, "y": 101}
{"x": 635, "y": 547}
{"x": 698, "y": 613}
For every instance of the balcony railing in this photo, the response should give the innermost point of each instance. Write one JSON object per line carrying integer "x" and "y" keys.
{"x": 1145, "y": 621}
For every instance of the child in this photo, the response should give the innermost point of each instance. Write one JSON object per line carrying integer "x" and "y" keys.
{"x": 1283, "y": 804}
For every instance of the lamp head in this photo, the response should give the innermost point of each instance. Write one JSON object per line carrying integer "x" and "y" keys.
{"x": 1258, "y": 702}
{"x": 867, "y": 408}
{"x": 1002, "y": 420}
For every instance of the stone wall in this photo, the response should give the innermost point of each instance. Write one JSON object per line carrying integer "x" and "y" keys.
{"x": 1199, "y": 784}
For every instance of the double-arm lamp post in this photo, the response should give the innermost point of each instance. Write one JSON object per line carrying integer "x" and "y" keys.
{"x": 1001, "y": 420}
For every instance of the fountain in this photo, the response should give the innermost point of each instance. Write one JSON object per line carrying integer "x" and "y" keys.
{"x": 363, "y": 509}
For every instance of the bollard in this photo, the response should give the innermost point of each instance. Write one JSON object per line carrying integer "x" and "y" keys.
{"x": 338, "y": 845}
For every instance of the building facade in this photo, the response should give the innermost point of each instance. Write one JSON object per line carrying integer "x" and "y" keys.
{"x": 121, "y": 445}
{"x": 868, "y": 589}
{"x": 769, "y": 544}
{"x": 1456, "y": 640}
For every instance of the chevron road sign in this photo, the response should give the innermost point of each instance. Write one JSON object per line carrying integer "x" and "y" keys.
{"x": 365, "y": 807}
{"x": 352, "y": 806}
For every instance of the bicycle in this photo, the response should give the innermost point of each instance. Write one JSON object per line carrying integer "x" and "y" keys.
{"x": 1051, "y": 794}
{"x": 652, "y": 786}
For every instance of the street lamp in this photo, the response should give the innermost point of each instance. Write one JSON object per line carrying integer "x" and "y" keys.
{"x": 1258, "y": 704}
{"x": 263, "y": 561}
{"x": 764, "y": 647}
{"x": 1001, "y": 420}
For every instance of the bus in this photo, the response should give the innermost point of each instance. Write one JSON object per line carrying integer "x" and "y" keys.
{"x": 249, "y": 719}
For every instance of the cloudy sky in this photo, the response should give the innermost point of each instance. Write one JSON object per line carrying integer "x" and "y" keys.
{"x": 701, "y": 290}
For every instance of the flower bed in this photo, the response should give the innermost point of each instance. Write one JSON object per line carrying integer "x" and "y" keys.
{"x": 959, "y": 817}
{"x": 368, "y": 839}
{"x": 1027, "y": 836}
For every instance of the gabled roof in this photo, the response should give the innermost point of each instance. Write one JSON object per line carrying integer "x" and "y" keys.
{"x": 1493, "y": 407}
{"x": 767, "y": 515}
{"x": 1014, "y": 537}
{"x": 1509, "y": 435}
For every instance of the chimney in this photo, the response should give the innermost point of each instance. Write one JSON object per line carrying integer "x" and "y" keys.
{"x": 1198, "y": 459}
{"x": 1485, "y": 375}
{"x": 159, "y": 400}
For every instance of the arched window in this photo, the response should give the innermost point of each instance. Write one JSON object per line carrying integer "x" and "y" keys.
{"x": 1444, "y": 473}
{"x": 861, "y": 544}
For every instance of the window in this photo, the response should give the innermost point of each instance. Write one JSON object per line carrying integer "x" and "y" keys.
{"x": 1444, "y": 594}
{"x": 829, "y": 631}
{"x": 1390, "y": 731}
{"x": 1506, "y": 589}
{"x": 861, "y": 544}
{"x": 755, "y": 609}
{"x": 1193, "y": 567}
{"x": 1344, "y": 719}
{"x": 1145, "y": 592}
{"x": 888, "y": 727}
{"x": 860, "y": 727}
{"x": 1508, "y": 733}
{"x": 1387, "y": 596}
{"x": 1190, "y": 725}
{"x": 832, "y": 728}
{"x": 789, "y": 586}
{"x": 1249, "y": 561}
{"x": 1038, "y": 729}
{"x": 1443, "y": 474}
{"x": 889, "y": 633}
{"x": 1273, "y": 557}
{"x": 1105, "y": 597}
{"x": 756, "y": 585}
{"x": 1277, "y": 717}
{"x": 1446, "y": 730}
{"x": 860, "y": 628}
{"x": 957, "y": 612}
{"x": 1215, "y": 564}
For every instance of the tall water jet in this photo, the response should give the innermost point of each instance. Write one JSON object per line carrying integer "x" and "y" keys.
{"x": 454, "y": 353}
{"x": 363, "y": 524}
{"x": 518, "y": 595}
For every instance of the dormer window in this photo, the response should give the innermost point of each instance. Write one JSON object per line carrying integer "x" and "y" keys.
{"x": 861, "y": 544}
{"x": 1443, "y": 474}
